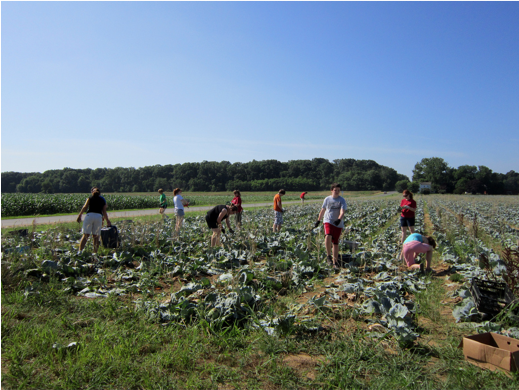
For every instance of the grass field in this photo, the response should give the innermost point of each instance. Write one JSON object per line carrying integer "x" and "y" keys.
{"x": 41, "y": 205}
{"x": 262, "y": 312}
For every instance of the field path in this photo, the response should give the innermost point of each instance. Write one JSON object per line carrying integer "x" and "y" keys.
{"x": 11, "y": 223}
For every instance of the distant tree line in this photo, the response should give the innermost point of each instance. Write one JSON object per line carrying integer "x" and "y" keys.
{"x": 464, "y": 179}
{"x": 266, "y": 175}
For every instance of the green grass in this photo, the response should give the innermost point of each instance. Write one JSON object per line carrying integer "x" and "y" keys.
{"x": 120, "y": 348}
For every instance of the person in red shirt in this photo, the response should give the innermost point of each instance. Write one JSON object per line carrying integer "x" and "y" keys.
{"x": 302, "y": 196}
{"x": 237, "y": 201}
{"x": 407, "y": 219}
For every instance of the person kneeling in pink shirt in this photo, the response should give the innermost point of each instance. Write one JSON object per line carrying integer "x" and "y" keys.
{"x": 415, "y": 244}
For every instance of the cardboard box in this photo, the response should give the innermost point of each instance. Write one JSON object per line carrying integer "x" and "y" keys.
{"x": 491, "y": 350}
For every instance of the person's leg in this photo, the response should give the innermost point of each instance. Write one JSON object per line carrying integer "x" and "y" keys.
{"x": 215, "y": 238}
{"x": 336, "y": 254}
{"x": 428, "y": 259}
{"x": 96, "y": 242}
{"x": 83, "y": 241}
{"x": 404, "y": 228}
{"x": 411, "y": 229}
{"x": 328, "y": 245}
{"x": 179, "y": 223}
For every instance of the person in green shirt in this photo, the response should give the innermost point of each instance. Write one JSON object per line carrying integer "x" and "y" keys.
{"x": 163, "y": 202}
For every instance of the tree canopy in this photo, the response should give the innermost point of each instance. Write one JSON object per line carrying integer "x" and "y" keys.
{"x": 265, "y": 175}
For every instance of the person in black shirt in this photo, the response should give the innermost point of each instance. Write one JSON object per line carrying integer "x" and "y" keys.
{"x": 214, "y": 219}
{"x": 96, "y": 206}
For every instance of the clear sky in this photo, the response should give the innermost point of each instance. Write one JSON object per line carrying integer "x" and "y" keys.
{"x": 130, "y": 84}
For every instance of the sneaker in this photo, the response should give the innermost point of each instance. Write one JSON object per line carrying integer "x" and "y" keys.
{"x": 329, "y": 260}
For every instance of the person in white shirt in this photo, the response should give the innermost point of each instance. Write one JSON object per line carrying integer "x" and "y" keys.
{"x": 179, "y": 203}
{"x": 333, "y": 210}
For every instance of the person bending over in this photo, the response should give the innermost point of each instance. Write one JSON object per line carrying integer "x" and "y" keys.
{"x": 333, "y": 210}
{"x": 417, "y": 243}
{"x": 214, "y": 219}
{"x": 302, "y": 196}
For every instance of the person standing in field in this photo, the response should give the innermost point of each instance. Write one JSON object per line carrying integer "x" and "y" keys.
{"x": 237, "y": 201}
{"x": 417, "y": 243}
{"x": 162, "y": 202}
{"x": 333, "y": 210}
{"x": 179, "y": 203}
{"x": 278, "y": 211}
{"x": 302, "y": 196}
{"x": 214, "y": 219}
{"x": 95, "y": 208}
{"x": 407, "y": 218}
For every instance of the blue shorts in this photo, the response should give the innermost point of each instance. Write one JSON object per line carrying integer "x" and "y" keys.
{"x": 406, "y": 222}
{"x": 278, "y": 218}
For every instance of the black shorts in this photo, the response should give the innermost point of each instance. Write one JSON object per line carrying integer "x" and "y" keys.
{"x": 211, "y": 223}
{"x": 164, "y": 206}
{"x": 406, "y": 222}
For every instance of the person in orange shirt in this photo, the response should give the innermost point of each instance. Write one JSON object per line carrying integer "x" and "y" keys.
{"x": 278, "y": 211}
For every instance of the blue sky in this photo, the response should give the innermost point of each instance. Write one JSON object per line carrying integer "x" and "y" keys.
{"x": 130, "y": 84}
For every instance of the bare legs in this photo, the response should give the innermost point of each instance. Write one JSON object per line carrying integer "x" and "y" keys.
{"x": 84, "y": 240}
{"x": 428, "y": 260}
{"x": 328, "y": 244}
{"x": 276, "y": 228}
{"x": 215, "y": 238}
{"x": 178, "y": 225}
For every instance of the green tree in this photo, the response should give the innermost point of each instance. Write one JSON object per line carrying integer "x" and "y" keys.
{"x": 434, "y": 169}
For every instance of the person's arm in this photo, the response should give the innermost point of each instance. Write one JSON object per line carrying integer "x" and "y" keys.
{"x": 222, "y": 214}
{"x": 105, "y": 216}
{"x": 228, "y": 224}
{"x": 410, "y": 208}
{"x": 83, "y": 209}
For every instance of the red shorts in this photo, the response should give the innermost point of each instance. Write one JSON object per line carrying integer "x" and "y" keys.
{"x": 334, "y": 231}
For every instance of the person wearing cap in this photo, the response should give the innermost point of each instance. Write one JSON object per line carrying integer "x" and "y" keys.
{"x": 95, "y": 208}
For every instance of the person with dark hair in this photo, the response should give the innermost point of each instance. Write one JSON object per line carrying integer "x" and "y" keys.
{"x": 163, "y": 204}
{"x": 333, "y": 210}
{"x": 179, "y": 202}
{"x": 417, "y": 243}
{"x": 95, "y": 208}
{"x": 214, "y": 219}
{"x": 407, "y": 218}
{"x": 278, "y": 211}
{"x": 302, "y": 196}
{"x": 237, "y": 201}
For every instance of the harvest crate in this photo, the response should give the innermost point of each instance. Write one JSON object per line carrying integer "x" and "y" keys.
{"x": 490, "y": 297}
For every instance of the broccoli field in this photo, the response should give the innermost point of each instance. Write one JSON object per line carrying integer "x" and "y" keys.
{"x": 264, "y": 310}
